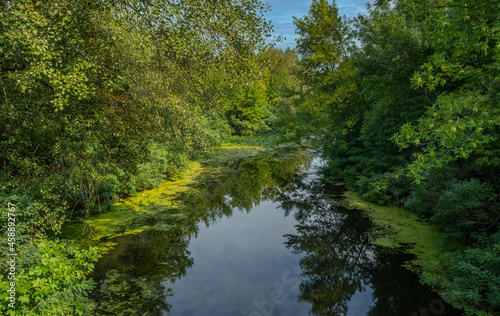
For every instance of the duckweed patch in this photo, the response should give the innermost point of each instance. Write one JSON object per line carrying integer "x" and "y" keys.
{"x": 397, "y": 227}
{"x": 231, "y": 152}
{"x": 158, "y": 208}
{"x": 262, "y": 141}
{"x": 134, "y": 214}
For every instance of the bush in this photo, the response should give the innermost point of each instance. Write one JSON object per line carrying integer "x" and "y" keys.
{"x": 469, "y": 279}
{"x": 54, "y": 283}
{"x": 463, "y": 209}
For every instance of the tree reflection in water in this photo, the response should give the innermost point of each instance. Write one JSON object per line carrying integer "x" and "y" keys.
{"x": 337, "y": 260}
{"x": 131, "y": 278}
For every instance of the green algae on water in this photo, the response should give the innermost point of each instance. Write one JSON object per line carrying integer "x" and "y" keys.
{"x": 156, "y": 209}
{"x": 230, "y": 152}
{"x": 132, "y": 215}
{"x": 397, "y": 227}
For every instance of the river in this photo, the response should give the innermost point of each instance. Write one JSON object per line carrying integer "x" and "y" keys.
{"x": 260, "y": 236}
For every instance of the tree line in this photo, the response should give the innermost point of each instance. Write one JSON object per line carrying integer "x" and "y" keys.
{"x": 404, "y": 104}
{"x": 102, "y": 99}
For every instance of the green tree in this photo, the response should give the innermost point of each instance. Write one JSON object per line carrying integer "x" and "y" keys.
{"x": 100, "y": 99}
{"x": 55, "y": 283}
{"x": 462, "y": 122}
{"x": 322, "y": 37}
{"x": 411, "y": 117}
{"x": 254, "y": 103}
{"x": 329, "y": 89}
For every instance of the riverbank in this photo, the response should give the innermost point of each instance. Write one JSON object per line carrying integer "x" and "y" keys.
{"x": 131, "y": 215}
{"x": 397, "y": 227}
{"x": 173, "y": 210}
{"x": 257, "y": 225}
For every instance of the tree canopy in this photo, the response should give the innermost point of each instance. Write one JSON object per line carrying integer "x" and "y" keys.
{"x": 101, "y": 99}
{"x": 403, "y": 102}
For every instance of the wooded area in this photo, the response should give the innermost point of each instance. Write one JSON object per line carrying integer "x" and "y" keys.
{"x": 103, "y": 99}
{"x": 404, "y": 102}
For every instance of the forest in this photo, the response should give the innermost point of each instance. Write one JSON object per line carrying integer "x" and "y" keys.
{"x": 103, "y": 99}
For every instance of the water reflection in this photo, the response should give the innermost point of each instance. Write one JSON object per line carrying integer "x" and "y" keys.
{"x": 132, "y": 278}
{"x": 261, "y": 237}
{"x": 340, "y": 266}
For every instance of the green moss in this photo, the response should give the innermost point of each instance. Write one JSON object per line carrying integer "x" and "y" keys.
{"x": 397, "y": 227}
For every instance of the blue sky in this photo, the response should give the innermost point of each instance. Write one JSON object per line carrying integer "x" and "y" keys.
{"x": 282, "y": 12}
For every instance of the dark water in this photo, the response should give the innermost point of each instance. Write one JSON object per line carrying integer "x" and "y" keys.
{"x": 264, "y": 237}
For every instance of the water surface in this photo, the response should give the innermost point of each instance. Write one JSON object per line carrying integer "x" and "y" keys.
{"x": 262, "y": 236}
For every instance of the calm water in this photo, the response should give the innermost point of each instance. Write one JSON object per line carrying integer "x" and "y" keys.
{"x": 265, "y": 236}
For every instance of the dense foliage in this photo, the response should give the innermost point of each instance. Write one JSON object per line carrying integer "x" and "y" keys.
{"x": 256, "y": 107}
{"x": 101, "y": 99}
{"x": 404, "y": 102}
